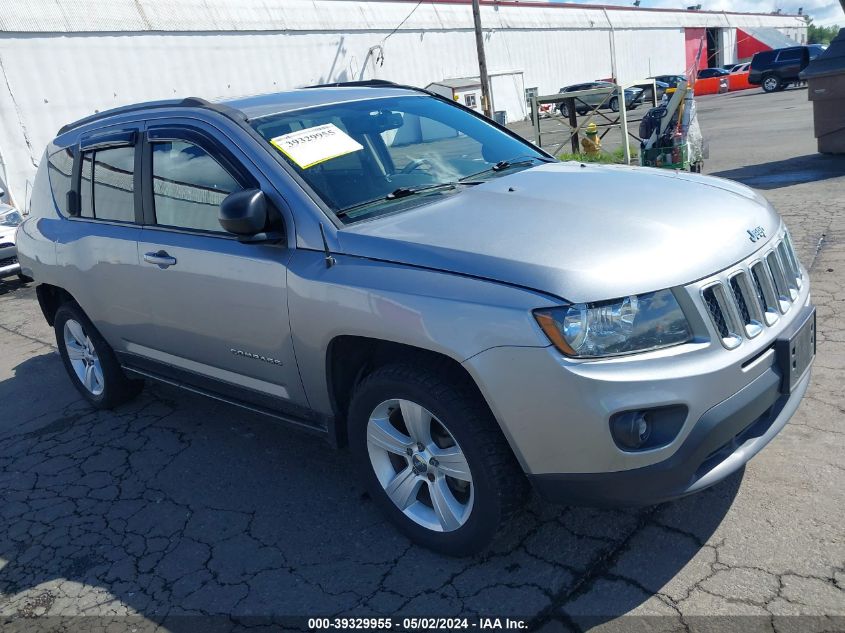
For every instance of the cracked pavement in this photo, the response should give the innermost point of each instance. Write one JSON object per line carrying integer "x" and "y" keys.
{"x": 179, "y": 506}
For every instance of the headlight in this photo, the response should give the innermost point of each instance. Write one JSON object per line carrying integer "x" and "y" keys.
{"x": 621, "y": 326}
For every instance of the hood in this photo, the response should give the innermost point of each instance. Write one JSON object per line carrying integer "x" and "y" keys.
{"x": 580, "y": 232}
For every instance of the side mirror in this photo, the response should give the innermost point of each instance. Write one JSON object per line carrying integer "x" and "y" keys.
{"x": 244, "y": 213}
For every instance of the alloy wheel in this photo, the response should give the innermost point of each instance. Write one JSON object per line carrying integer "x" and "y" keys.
{"x": 83, "y": 357}
{"x": 420, "y": 465}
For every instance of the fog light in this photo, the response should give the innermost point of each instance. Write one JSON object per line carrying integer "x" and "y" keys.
{"x": 643, "y": 429}
{"x": 631, "y": 429}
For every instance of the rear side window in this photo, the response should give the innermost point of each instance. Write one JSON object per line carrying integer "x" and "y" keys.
{"x": 188, "y": 186}
{"x": 60, "y": 171}
{"x": 107, "y": 188}
{"x": 761, "y": 59}
{"x": 790, "y": 54}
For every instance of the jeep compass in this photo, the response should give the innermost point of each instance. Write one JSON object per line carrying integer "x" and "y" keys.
{"x": 390, "y": 270}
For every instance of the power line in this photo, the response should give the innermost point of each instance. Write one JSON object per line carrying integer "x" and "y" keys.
{"x": 407, "y": 17}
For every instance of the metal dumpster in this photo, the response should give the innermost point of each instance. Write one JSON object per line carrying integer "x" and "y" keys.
{"x": 825, "y": 77}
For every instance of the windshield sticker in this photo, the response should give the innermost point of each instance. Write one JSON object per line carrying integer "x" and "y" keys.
{"x": 315, "y": 145}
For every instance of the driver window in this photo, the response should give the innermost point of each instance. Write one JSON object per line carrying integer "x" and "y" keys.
{"x": 188, "y": 186}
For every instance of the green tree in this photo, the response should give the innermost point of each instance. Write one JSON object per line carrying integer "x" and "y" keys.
{"x": 820, "y": 34}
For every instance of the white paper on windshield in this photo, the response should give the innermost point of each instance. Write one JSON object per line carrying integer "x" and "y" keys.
{"x": 315, "y": 145}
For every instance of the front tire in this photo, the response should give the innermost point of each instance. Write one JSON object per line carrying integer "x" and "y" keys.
{"x": 614, "y": 104}
{"x": 433, "y": 458}
{"x": 90, "y": 361}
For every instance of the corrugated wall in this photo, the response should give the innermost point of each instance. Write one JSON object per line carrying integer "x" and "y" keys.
{"x": 64, "y": 59}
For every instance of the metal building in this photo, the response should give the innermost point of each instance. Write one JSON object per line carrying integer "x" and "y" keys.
{"x": 64, "y": 59}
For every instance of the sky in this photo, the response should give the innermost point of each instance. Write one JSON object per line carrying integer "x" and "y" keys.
{"x": 823, "y": 12}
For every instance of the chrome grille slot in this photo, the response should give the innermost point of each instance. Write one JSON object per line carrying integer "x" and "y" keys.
{"x": 740, "y": 300}
{"x": 722, "y": 315}
{"x": 715, "y": 312}
{"x": 793, "y": 259}
{"x": 765, "y": 292}
{"x": 782, "y": 288}
{"x": 789, "y": 269}
{"x": 746, "y": 302}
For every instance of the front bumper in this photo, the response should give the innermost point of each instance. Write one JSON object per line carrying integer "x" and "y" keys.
{"x": 9, "y": 264}
{"x": 722, "y": 441}
{"x": 556, "y": 411}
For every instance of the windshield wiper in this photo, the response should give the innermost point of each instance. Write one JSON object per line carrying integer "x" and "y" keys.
{"x": 396, "y": 194}
{"x": 507, "y": 164}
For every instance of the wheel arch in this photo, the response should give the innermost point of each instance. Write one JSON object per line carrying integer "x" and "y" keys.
{"x": 349, "y": 359}
{"x": 50, "y": 299}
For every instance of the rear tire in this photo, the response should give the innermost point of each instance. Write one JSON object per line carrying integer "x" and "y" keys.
{"x": 772, "y": 83}
{"x": 401, "y": 419}
{"x": 564, "y": 110}
{"x": 90, "y": 362}
{"x": 614, "y": 104}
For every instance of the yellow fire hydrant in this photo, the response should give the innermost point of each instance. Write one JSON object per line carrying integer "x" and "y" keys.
{"x": 591, "y": 143}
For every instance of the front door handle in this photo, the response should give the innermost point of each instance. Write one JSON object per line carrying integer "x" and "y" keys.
{"x": 160, "y": 259}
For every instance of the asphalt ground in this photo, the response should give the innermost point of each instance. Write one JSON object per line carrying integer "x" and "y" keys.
{"x": 178, "y": 513}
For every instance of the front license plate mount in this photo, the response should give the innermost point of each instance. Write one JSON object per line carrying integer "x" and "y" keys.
{"x": 795, "y": 353}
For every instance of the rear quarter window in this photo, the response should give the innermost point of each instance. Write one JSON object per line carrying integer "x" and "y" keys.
{"x": 108, "y": 184}
{"x": 60, "y": 171}
{"x": 761, "y": 59}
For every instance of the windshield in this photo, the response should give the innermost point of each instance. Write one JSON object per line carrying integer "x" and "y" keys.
{"x": 11, "y": 217}
{"x": 358, "y": 156}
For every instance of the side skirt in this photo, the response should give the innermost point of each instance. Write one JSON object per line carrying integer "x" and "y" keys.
{"x": 282, "y": 411}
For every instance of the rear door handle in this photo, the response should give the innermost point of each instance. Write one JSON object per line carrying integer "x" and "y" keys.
{"x": 160, "y": 259}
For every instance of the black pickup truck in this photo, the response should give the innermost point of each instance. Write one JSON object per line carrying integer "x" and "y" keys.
{"x": 774, "y": 70}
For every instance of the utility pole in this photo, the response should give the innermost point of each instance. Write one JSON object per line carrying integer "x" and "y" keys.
{"x": 482, "y": 61}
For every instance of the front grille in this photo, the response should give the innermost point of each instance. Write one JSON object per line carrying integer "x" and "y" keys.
{"x": 8, "y": 261}
{"x": 755, "y": 296}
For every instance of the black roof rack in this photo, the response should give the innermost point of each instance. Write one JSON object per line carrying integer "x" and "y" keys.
{"x": 227, "y": 111}
{"x": 189, "y": 102}
{"x": 366, "y": 83}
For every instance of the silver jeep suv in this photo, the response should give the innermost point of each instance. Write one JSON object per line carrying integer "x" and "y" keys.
{"x": 390, "y": 270}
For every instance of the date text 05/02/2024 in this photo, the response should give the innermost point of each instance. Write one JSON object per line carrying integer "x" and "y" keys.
{"x": 416, "y": 624}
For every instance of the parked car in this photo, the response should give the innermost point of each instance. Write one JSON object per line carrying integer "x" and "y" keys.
{"x": 633, "y": 98}
{"x": 672, "y": 80}
{"x": 10, "y": 219}
{"x": 545, "y": 110}
{"x": 660, "y": 87}
{"x": 774, "y": 70}
{"x": 709, "y": 73}
{"x": 385, "y": 268}
{"x": 740, "y": 68}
